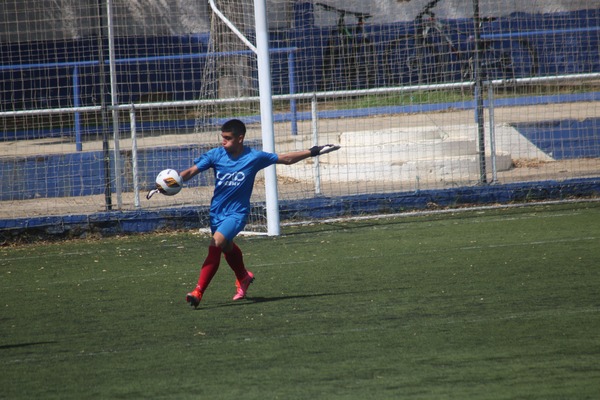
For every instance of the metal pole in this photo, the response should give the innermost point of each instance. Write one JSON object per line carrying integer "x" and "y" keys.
{"x": 134, "y": 157}
{"x": 492, "y": 132}
{"x": 478, "y": 94}
{"x": 103, "y": 113}
{"x": 233, "y": 28}
{"x": 315, "y": 137}
{"x": 292, "y": 80}
{"x": 77, "y": 114}
{"x": 114, "y": 103}
{"x": 266, "y": 113}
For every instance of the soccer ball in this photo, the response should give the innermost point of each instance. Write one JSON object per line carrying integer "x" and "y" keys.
{"x": 168, "y": 182}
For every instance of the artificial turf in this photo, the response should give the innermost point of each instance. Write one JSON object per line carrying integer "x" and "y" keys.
{"x": 494, "y": 304}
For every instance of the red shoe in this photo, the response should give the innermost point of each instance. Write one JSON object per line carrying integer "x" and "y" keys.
{"x": 194, "y": 298}
{"x": 242, "y": 287}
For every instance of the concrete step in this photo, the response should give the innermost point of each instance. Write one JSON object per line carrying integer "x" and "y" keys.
{"x": 416, "y": 154}
{"x": 408, "y": 151}
{"x": 448, "y": 169}
{"x": 396, "y": 135}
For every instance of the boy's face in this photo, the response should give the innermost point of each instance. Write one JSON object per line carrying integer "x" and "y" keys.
{"x": 231, "y": 143}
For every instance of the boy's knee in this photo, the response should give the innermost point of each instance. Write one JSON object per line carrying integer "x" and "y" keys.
{"x": 221, "y": 241}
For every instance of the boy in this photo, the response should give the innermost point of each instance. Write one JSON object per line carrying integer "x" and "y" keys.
{"x": 235, "y": 167}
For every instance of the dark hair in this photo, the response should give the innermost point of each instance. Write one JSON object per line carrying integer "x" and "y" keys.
{"x": 234, "y": 126}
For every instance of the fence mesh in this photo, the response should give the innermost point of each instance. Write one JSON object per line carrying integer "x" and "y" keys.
{"x": 393, "y": 82}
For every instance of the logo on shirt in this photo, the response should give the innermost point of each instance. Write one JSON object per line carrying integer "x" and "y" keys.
{"x": 230, "y": 178}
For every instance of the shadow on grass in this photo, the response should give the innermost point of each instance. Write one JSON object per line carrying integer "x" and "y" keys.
{"x": 256, "y": 299}
{"x": 18, "y": 345}
{"x": 251, "y": 299}
{"x": 279, "y": 298}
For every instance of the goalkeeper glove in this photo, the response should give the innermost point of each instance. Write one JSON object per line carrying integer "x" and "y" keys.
{"x": 320, "y": 150}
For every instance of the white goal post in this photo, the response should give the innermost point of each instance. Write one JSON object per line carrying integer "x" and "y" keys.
{"x": 266, "y": 103}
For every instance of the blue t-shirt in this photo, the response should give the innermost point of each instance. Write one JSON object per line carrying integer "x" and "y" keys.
{"x": 234, "y": 179}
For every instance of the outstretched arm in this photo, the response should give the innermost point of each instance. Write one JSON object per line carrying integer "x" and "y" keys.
{"x": 293, "y": 157}
{"x": 296, "y": 156}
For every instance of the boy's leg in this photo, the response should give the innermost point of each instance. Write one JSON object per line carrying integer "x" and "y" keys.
{"x": 244, "y": 278}
{"x": 233, "y": 255}
{"x": 209, "y": 267}
{"x": 227, "y": 231}
{"x": 207, "y": 272}
{"x": 235, "y": 259}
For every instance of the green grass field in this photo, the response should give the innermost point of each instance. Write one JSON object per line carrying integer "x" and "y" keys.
{"x": 496, "y": 304}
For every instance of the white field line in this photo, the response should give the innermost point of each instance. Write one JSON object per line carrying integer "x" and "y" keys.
{"x": 438, "y": 212}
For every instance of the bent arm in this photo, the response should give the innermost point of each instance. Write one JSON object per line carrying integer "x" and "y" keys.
{"x": 189, "y": 173}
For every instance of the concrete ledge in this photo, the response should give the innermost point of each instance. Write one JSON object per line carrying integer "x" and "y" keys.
{"x": 461, "y": 168}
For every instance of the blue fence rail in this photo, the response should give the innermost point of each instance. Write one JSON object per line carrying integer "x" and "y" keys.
{"x": 77, "y": 76}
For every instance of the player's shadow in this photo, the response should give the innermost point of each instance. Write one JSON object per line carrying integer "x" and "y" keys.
{"x": 259, "y": 299}
{"x": 18, "y": 345}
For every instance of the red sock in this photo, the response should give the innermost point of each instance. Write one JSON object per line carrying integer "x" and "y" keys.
{"x": 235, "y": 259}
{"x": 210, "y": 267}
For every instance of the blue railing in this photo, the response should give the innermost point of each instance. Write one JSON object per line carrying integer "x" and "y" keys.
{"x": 75, "y": 67}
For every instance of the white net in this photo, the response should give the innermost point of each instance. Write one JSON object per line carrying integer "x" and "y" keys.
{"x": 393, "y": 82}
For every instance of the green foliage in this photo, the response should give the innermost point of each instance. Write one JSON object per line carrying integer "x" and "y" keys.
{"x": 474, "y": 305}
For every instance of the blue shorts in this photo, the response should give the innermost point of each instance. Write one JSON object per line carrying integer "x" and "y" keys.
{"x": 228, "y": 227}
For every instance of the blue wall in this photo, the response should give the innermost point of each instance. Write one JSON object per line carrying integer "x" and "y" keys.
{"x": 564, "y": 139}
{"x": 81, "y": 173}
